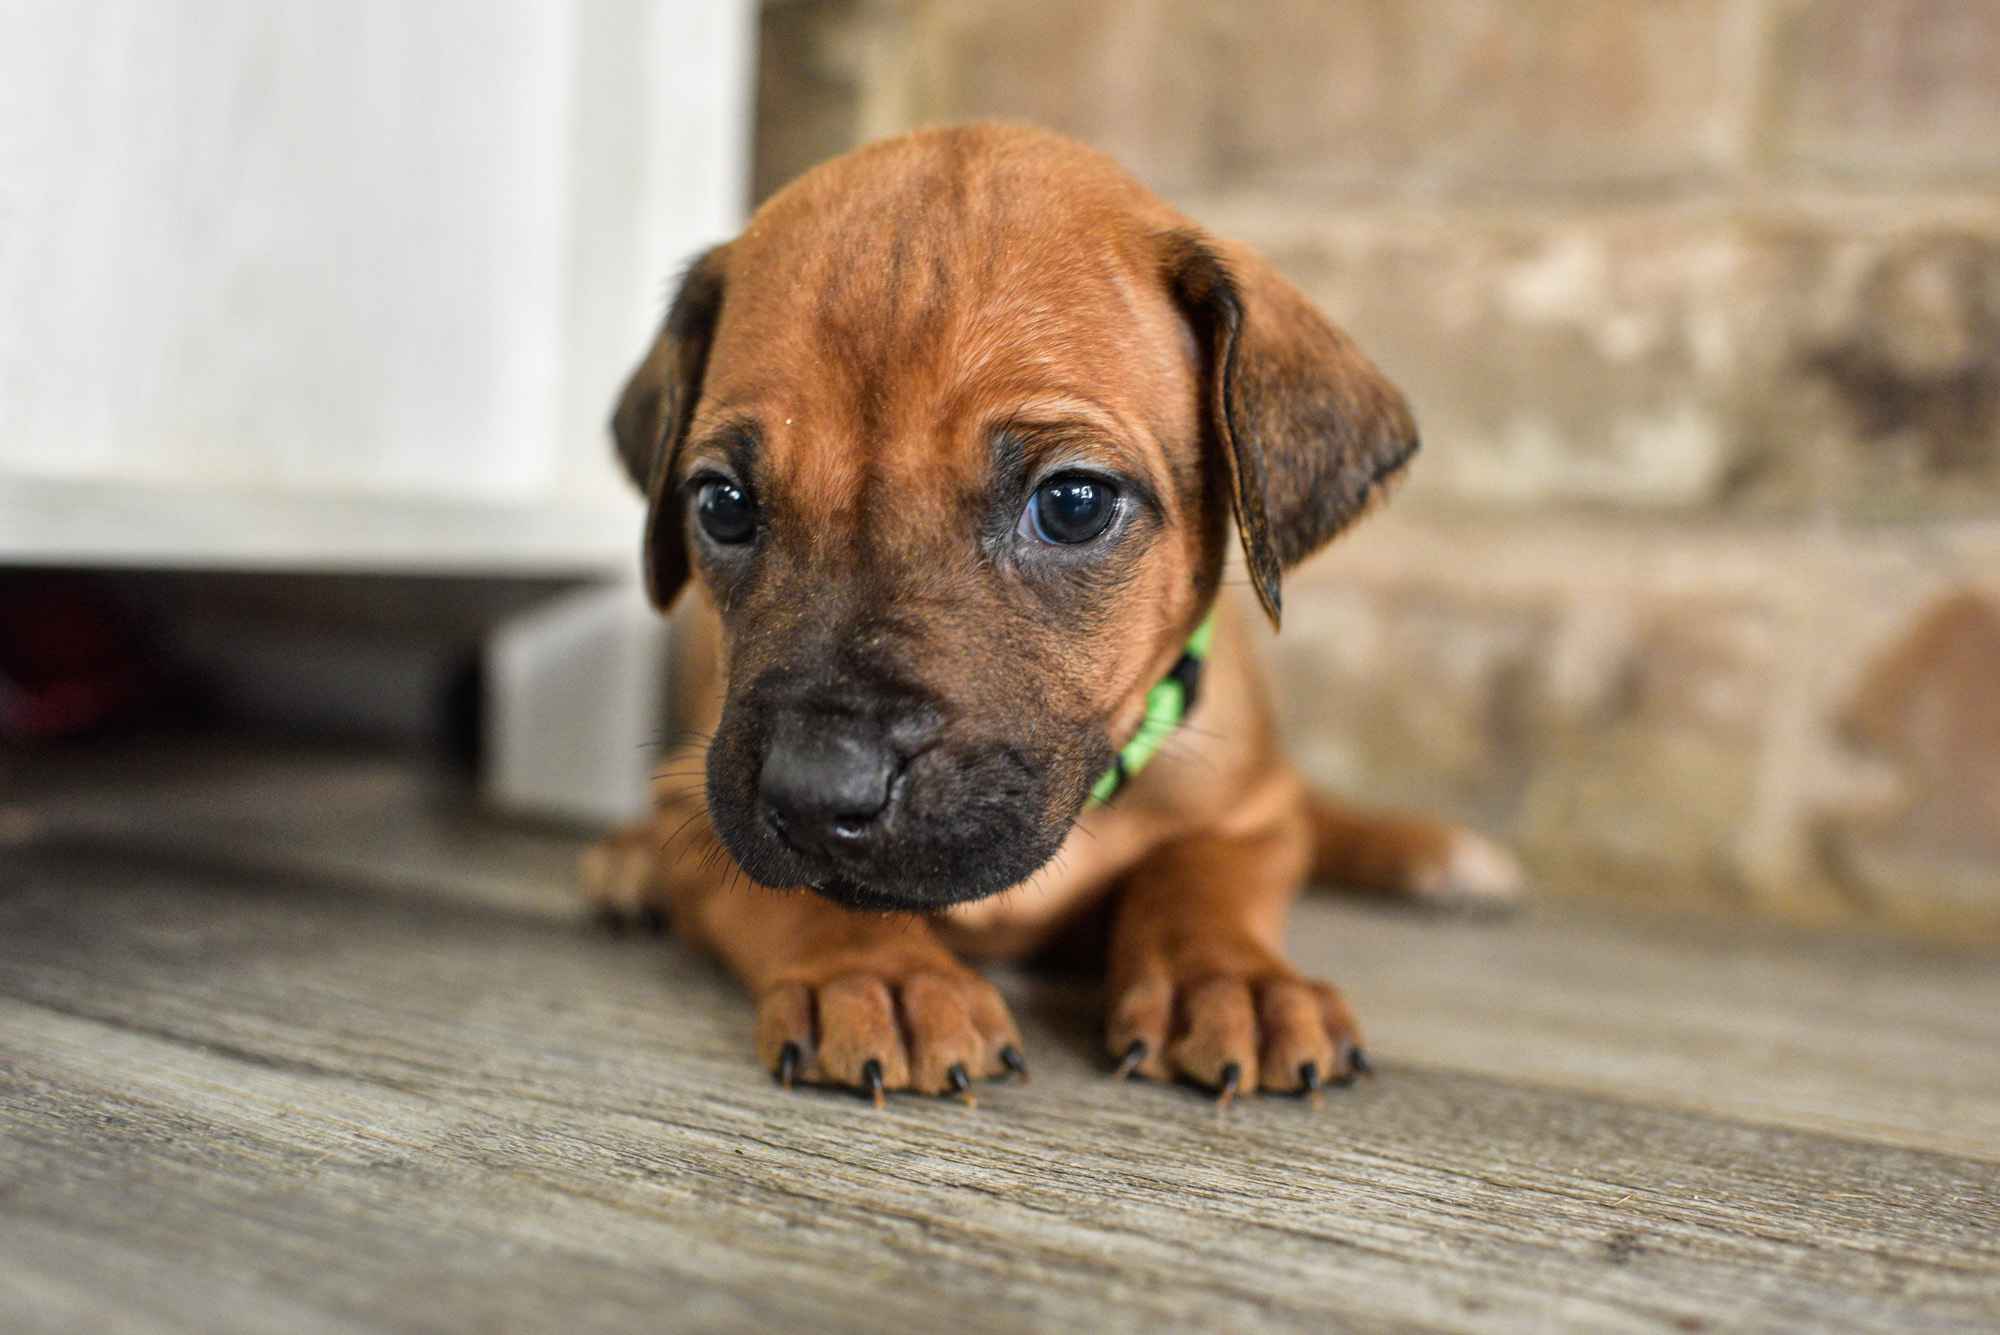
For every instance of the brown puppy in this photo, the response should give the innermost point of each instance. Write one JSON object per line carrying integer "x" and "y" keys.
{"x": 950, "y": 441}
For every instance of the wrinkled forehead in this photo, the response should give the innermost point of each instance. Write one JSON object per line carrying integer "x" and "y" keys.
{"x": 898, "y": 331}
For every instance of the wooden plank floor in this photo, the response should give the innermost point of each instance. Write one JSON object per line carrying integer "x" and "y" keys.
{"x": 301, "y": 1043}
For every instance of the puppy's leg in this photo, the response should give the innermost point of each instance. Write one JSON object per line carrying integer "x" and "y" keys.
{"x": 620, "y": 875}
{"x": 865, "y": 1000}
{"x": 1200, "y": 988}
{"x": 1403, "y": 856}
{"x": 626, "y": 874}
{"x": 871, "y": 1001}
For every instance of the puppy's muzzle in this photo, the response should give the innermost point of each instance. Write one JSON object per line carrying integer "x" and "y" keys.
{"x": 876, "y": 801}
{"x": 830, "y": 786}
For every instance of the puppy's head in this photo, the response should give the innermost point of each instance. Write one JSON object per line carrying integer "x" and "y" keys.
{"x": 952, "y": 437}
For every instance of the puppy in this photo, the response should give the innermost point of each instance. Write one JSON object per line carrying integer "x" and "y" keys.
{"x": 950, "y": 443}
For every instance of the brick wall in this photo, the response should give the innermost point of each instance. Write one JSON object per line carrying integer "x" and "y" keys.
{"x": 1696, "y": 589}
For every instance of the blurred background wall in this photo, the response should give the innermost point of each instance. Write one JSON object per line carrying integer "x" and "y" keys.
{"x": 1695, "y": 592}
{"x": 311, "y": 317}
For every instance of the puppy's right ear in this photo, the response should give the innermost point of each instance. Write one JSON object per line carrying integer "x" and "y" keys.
{"x": 652, "y": 417}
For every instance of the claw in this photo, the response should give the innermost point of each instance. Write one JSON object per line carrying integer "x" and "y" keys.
{"x": 871, "y": 1076}
{"x": 788, "y": 1064}
{"x": 1232, "y": 1080}
{"x": 1011, "y": 1058}
{"x": 1134, "y": 1057}
{"x": 1310, "y": 1078}
{"x": 962, "y": 1082}
{"x": 652, "y": 921}
{"x": 1358, "y": 1060}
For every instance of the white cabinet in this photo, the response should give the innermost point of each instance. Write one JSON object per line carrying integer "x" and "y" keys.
{"x": 345, "y": 283}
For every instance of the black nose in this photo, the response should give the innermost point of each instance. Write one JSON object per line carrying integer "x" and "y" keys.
{"x": 827, "y": 782}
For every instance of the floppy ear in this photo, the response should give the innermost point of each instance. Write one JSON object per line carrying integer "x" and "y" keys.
{"x": 653, "y": 413}
{"x": 1309, "y": 430}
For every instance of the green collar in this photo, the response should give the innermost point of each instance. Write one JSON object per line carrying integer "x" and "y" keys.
{"x": 1170, "y": 701}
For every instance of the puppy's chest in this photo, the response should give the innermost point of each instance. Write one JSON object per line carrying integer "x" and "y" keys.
{"x": 1023, "y": 920}
{"x": 1020, "y": 921}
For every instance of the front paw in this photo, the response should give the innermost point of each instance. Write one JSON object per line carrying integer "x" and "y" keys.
{"x": 932, "y": 1029}
{"x": 1238, "y": 1024}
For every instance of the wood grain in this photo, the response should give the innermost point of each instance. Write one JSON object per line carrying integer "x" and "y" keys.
{"x": 239, "y": 1099}
{"x": 1853, "y": 1035}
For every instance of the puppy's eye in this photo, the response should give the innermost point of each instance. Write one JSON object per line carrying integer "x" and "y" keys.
{"x": 1069, "y": 509}
{"x": 726, "y": 512}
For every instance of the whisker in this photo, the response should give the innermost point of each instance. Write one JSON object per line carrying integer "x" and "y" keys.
{"x": 683, "y": 828}
{"x": 673, "y": 740}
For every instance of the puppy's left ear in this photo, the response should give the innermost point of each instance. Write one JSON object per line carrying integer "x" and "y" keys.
{"x": 653, "y": 414}
{"x": 1309, "y": 430}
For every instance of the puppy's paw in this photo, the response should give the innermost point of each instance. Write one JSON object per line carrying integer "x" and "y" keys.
{"x": 929, "y": 1029}
{"x": 1236, "y": 1029}
{"x": 620, "y": 877}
